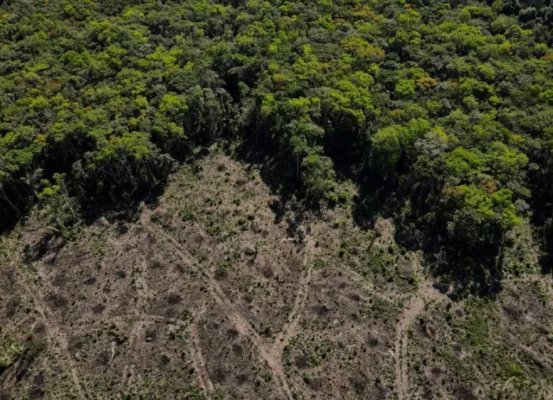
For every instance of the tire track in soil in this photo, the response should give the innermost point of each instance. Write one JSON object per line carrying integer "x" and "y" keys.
{"x": 143, "y": 294}
{"x": 198, "y": 361}
{"x": 240, "y": 323}
{"x": 55, "y": 335}
{"x": 424, "y": 295}
{"x": 410, "y": 313}
{"x": 290, "y": 329}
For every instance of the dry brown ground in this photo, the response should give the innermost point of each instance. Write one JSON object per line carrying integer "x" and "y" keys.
{"x": 209, "y": 295}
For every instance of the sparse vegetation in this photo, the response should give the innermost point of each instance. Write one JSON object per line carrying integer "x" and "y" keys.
{"x": 148, "y": 307}
{"x": 243, "y": 199}
{"x": 10, "y": 351}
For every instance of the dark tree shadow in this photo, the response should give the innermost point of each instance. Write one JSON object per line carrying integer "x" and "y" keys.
{"x": 546, "y": 258}
{"x": 15, "y": 208}
{"x": 465, "y": 274}
{"x": 276, "y": 172}
{"x": 457, "y": 269}
{"x": 372, "y": 201}
{"x": 123, "y": 207}
{"x": 7, "y": 223}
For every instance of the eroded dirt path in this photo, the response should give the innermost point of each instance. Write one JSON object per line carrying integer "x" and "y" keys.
{"x": 270, "y": 354}
{"x": 291, "y": 327}
{"x": 199, "y": 362}
{"x": 410, "y": 313}
{"x": 425, "y": 294}
{"x": 55, "y": 335}
{"x": 144, "y": 294}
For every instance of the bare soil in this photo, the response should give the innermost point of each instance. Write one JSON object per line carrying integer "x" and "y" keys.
{"x": 210, "y": 295}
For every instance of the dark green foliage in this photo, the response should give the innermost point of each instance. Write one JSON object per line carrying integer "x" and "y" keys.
{"x": 439, "y": 111}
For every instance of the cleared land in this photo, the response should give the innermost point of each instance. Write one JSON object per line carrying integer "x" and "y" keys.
{"x": 210, "y": 294}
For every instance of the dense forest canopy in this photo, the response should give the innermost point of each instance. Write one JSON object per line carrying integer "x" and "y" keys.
{"x": 440, "y": 111}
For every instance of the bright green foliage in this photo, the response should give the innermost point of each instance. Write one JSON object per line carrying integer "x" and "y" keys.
{"x": 479, "y": 216}
{"x": 396, "y": 142}
{"x": 441, "y": 109}
{"x": 10, "y": 351}
{"x": 405, "y": 87}
{"x": 59, "y": 208}
{"x": 319, "y": 178}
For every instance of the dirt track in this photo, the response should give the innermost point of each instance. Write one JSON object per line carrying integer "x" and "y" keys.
{"x": 227, "y": 301}
{"x": 271, "y": 354}
{"x": 424, "y": 295}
